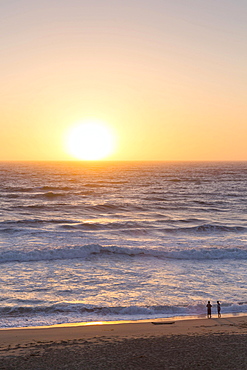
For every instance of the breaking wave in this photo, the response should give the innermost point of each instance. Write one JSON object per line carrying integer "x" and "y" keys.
{"x": 79, "y": 312}
{"x": 208, "y": 229}
{"x": 87, "y": 251}
{"x": 166, "y": 226}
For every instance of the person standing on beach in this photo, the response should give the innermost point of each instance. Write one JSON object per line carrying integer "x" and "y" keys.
{"x": 209, "y": 306}
{"x": 218, "y": 309}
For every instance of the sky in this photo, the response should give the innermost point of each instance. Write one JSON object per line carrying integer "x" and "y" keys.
{"x": 168, "y": 78}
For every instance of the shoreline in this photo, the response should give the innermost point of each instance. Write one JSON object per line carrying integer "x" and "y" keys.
{"x": 115, "y": 322}
{"x": 180, "y": 321}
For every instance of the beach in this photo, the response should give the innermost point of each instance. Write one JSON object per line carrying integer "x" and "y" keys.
{"x": 168, "y": 344}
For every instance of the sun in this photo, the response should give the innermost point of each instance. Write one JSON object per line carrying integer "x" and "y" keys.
{"x": 90, "y": 140}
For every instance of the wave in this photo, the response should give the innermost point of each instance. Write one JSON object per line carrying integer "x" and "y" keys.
{"x": 201, "y": 229}
{"x": 51, "y": 194}
{"x": 11, "y": 227}
{"x": 157, "y": 198}
{"x": 9, "y": 230}
{"x": 50, "y": 188}
{"x": 10, "y": 196}
{"x": 34, "y": 206}
{"x": 38, "y": 195}
{"x": 109, "y": 208}
{"x": 207, "y": 228}
{"x": 34, "y": 221}
{"x": 107, "y": 226}
{"x": 97, "y": 208}
{"x": 72, "y": 224}
{"x": 89, "y": 250}
{"x": 118, "y": 312}
{"x": 24, "y": 189}
{"x": 176, "y": 228}
{"x": 19, "y": 189}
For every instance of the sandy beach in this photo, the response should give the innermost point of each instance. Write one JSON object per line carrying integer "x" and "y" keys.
{"x": 180, "y": 344}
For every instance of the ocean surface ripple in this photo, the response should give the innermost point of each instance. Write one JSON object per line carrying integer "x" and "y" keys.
{"x": 121, "y": 240}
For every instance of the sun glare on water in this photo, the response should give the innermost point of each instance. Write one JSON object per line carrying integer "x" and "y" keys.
{"x": 90, "y": 140}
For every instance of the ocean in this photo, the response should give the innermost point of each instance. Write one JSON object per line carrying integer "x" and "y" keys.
{"x": 106, "y": 241}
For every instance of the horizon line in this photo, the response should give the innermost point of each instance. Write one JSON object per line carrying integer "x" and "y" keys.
{"x": 124, "y": 160}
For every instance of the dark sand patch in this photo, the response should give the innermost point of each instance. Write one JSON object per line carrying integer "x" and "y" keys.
{"x": 191, "y": 344}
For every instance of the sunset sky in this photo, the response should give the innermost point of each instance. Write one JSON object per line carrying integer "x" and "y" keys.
{"x": 168, "y": 78}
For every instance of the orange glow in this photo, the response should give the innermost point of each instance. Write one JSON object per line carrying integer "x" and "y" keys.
{"x": 169, "y": 78}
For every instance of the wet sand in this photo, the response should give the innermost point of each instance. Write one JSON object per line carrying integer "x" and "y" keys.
{"x": 219, "y": 343}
